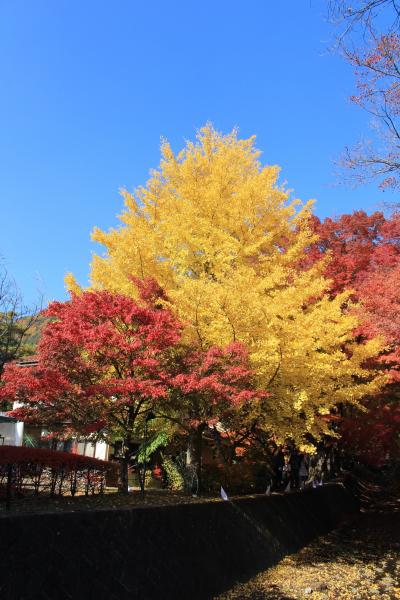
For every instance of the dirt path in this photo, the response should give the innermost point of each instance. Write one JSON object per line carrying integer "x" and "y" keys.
{"x": 359, "y": 561}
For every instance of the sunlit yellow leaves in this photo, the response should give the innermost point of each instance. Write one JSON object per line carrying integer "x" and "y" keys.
{"x": 225, "y": 240}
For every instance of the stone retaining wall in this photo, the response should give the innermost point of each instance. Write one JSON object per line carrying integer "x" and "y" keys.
{"x": 186, "y": 552}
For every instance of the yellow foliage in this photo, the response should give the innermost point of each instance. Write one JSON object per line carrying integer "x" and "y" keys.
{"x": 71, "y": 284}
{"x": 224, "y": 239}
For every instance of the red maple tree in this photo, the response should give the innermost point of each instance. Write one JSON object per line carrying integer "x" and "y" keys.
{"x": 103, "y": 365}
{"x": 358, "y": 244}
{"x": 365, "y": 258}
{"x": 351, "y": 241}
{"x": 374, "y": 437}
{"x": 107, "y": 363}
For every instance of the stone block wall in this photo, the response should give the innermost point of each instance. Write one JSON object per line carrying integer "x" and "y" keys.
{"x": 191, "y": 551}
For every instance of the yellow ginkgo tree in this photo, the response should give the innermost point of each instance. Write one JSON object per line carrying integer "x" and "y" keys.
{"x": 215, "y": 229}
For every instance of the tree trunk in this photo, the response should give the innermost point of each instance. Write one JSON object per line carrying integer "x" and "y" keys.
{"x": 123, "y": 476}
{"x": 194, "y": 458}
{"x": 199, "y": 456}
{"x": 141, "y": 478}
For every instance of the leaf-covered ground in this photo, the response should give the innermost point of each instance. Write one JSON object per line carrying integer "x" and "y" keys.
{"x": 359, "y": 561}
{"x": 99, "y": 501}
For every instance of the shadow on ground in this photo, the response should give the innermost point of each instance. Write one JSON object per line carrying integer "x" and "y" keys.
{"x": 359, "y": 561}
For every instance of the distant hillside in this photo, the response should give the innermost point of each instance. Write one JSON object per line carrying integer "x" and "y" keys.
{"x": 33, "y": 336}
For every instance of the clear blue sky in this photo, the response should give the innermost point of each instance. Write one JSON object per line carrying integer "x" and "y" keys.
{"x": 89, "y": 87}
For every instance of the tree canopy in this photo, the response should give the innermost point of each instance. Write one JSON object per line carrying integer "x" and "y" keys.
{"x": 365, "y": 258}
{"x": 226, "y": 242}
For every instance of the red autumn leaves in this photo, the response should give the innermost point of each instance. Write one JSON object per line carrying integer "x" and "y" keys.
{"x": 106, "y": 361}
{"x": 365, "y": 253}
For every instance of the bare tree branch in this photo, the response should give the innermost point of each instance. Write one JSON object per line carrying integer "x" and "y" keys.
{"x": 369, "y": 40}
{"x": 16, "y": 320}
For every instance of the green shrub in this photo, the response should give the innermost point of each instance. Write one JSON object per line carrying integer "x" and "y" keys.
{"x": 175, "y": 480}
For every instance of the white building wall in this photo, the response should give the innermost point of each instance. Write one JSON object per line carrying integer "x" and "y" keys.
{"x": 13, "y": 433}
{"x": 95, "y": 450}
{"x": 102, "y": 451}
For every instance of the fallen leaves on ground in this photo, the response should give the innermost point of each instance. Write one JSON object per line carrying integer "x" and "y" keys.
{"x": 359, "y": 561}
{"x": 99, "y": 501}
